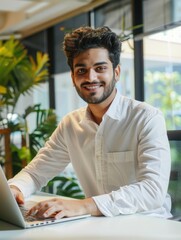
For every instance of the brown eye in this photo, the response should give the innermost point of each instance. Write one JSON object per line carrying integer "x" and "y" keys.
{"x": 81, "y": 71}
{"x": 101, "y": 68}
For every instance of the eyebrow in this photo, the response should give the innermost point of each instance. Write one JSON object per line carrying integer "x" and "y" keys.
{"x": 84, "y": 65}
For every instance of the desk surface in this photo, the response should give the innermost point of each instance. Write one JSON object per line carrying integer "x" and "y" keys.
{"x": 99, "y": 228}
{"x": 135, "y": 227}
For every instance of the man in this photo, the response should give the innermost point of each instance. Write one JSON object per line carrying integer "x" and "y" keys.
{"x": 117, "y": 146}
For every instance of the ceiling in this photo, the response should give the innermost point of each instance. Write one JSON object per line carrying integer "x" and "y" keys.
{"x": 26, "y": 17}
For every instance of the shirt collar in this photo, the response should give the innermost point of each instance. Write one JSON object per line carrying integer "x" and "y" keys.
{"x": 113, "y": 111}
{"x": 86, "y": 115}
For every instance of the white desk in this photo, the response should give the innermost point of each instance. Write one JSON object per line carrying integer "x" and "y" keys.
{"x": 99, "y": 228}
{"x": 134, "y": 227}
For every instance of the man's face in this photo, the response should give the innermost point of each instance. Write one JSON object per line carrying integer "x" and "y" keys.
{"x": 93, "y": 75}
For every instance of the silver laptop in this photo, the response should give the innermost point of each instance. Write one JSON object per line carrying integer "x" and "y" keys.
{"x": 10, "y": 210}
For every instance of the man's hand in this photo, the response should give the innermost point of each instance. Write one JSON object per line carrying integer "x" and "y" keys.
{"x": 59, "y": 208}
{"x": 17, "y": 194}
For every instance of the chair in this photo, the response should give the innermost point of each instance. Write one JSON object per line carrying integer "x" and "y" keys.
{"x": 175, "y": 175}
{"x": 5, "y": 134}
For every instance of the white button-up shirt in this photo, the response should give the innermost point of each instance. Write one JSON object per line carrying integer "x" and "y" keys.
{"x": 123, "y": 163}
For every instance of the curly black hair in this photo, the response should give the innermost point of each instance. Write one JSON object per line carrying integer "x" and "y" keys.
{"x": 84, "y": 38}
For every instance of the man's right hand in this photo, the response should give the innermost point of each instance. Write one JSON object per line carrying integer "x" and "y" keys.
{"x": 17, "y": 194}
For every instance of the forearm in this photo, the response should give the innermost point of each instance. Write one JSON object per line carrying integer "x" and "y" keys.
{"x": 142, "y": 197}
{"x": 91, "y": 207}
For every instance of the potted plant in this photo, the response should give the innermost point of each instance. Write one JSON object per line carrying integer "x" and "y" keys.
{"x": 19, "y": 74}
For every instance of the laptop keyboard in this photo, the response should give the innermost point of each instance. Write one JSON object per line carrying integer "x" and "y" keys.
{"x": 27, "y": 218}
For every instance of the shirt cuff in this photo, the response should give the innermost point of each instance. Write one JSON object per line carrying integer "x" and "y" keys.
{"x": 106, "y": 206}
{"x": 114, "y": 204}
{"x": 24, "y": 182}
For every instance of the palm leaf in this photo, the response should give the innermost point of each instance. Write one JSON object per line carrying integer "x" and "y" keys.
{"x": 38, "y": 67}
{"x": 19, "y": 73}
{"x": 68, "y": 186}
{"x": 11, "y": 54}
{"x": 46, "y": 123}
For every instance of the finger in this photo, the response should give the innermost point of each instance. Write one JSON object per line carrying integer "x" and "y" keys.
{"x": 42, "y": 211}
{"x": 45, "y": 209}
{"x": 60, "y": 214}
{"x": 33, "y": 210}
{"x": 17, "y": 194}
{"x": 50, "y": 212}
{"x": 20, "y": 198}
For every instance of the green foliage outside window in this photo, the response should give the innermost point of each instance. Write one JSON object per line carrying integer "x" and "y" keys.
{"x": 163, "y": 90}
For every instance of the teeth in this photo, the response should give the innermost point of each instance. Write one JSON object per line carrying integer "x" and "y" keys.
{"x": 92, "y": 87}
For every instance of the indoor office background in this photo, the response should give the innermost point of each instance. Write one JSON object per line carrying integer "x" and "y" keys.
{"x": 150, "y": 64}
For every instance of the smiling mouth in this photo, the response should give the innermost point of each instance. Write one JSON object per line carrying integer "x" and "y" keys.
{"x": 92, "y": 86}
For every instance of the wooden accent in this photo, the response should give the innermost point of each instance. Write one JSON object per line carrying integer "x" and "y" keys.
{"x": 23, "y": 144}
{"x": 8, "y": 159}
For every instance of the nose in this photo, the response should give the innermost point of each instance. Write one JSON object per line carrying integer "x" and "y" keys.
{"x": 92, "y": 75}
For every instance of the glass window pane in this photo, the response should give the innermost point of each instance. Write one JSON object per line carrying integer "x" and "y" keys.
{"x": 117, "y": 16}
{"x": 159, "y": 14}
{"x": 39, "y": 95}
{"x": 162, "y": 74}
{"x": 66, "y": 97}
{"x": 126, "y": 83}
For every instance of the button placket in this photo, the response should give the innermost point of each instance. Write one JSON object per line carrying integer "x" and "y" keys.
{"x": 98, "y": 156}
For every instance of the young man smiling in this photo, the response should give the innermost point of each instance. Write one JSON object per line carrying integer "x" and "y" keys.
{"x": 117, "y": 146}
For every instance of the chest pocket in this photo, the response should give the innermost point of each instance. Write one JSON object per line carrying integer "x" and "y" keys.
{"x": 120, "y": 169}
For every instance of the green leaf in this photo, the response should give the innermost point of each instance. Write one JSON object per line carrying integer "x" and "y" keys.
{"x": 67, "y": 186}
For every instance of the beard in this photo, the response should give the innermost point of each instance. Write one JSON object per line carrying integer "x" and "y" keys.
{"x": 92, "y": 98}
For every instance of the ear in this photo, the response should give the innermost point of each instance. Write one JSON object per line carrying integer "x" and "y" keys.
{"x": 117, "y": 72}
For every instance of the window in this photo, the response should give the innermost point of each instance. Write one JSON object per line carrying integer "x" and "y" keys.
{"x": 66, "y": 96}
{"x": 162, "y": 74}
{"x": 117, "y": 16}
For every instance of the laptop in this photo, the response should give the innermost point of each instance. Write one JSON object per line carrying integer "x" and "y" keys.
{"x": 10, "y": 210}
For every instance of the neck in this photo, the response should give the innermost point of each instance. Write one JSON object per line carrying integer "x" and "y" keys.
{"x": 98, "y": 110}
